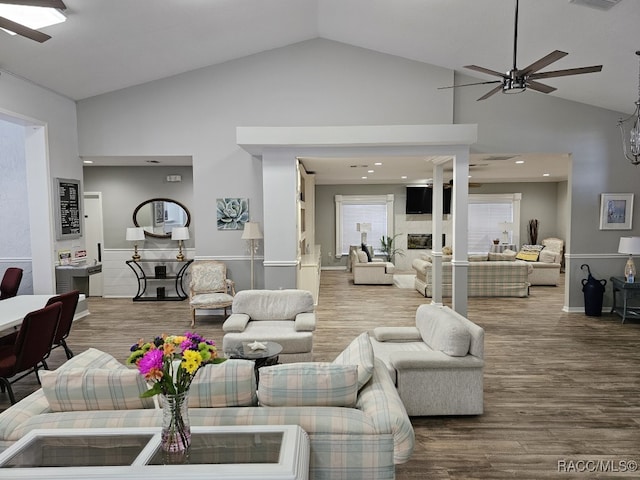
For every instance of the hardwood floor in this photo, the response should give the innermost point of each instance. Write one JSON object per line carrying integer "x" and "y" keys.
{"x": 559, "y": 387}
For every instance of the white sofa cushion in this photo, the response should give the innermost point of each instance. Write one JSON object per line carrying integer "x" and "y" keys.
{"x": 228, "y": 384}
{"x": 273, "y": 304}
{"x": 77, "y": 389}
{"x": 308, "y": 384}
{"x": 360, "y": 353}
{"x": 444, "y": 333}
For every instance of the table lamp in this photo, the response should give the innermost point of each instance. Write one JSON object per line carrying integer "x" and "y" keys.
{"x": 135, "y": 234}
{"x": 630, "y": 246}
{"x": 363, "y": 228}
{"x": 253, "y": 234}
{"x": 506, "y": 230}
{"x": 180, "y": 234}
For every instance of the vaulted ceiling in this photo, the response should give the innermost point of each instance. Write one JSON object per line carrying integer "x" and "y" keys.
{"x": 107, "y": 45}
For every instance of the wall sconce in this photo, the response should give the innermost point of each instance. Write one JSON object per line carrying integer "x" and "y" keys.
{"x": 180, "y": 234}
{"x": 253, "y": 234}
{"x": 363, "y": 228}
{"x": 135, "y": 234}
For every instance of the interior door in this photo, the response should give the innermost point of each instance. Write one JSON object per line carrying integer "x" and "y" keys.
{"x": 94, "y": 238}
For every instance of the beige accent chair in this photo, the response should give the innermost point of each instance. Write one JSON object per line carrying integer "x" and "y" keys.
{"x": 285, "y": 316}
{"x": 376, "y": 272}
{"x": 555, "y": 245}
{"x": 209, "y": 287}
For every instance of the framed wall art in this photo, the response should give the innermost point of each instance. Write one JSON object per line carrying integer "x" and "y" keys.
{"x": 616, "y": 211}
{"x": 232, "y": 213}
{"x": 68, "y": 209}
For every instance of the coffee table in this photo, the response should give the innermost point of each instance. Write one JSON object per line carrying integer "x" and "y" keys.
{"x": 262, "y": 358}
{"x": 267, "y": 452}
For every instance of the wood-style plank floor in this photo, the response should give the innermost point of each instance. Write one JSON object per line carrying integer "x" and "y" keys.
{"x": 559, "y": 387}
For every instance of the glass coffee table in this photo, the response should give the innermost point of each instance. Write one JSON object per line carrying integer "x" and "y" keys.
{"x": 262, "y": 357}
{"x": 230, "y": 452}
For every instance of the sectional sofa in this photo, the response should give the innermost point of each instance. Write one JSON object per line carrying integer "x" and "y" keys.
{"x": 486, "y": 277}
{"x": 363, "y": 438}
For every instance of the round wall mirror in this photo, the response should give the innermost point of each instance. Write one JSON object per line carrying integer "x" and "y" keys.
{"x": 158, "y": 216}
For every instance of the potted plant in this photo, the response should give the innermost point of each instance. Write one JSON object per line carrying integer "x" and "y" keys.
{"x": 388, "y": 249}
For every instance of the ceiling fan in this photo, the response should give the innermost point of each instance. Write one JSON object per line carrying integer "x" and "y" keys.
{"x": 24, "y": 30}
{"x": 518, "y": 80}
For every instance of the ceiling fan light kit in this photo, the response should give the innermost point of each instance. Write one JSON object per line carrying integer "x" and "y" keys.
{"x": 23, "y": 17}
{"x": 630, "y": 130}
{"x": 517, "y": 80}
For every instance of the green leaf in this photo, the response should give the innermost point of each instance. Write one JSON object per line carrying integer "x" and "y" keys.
{"x": 155, "y": 390}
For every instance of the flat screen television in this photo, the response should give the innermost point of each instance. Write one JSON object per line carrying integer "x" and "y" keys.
{"x": 420, "y": 200}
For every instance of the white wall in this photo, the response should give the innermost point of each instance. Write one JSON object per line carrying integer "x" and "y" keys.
{"x": 51, "y": 150}
{"x": 320, "y": 82}
{"x": 317, "y": 82}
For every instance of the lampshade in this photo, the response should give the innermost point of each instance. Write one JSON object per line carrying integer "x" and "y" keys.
{"x": 134, "y": 234}
{"x": 180, "y": 233}
{"x": 629, "y": 245}
{"x": 251, "y": 231}
{"x": 363, "y": 227}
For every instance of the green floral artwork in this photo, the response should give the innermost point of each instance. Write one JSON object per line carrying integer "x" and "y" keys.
{"x": 232, "y": 213}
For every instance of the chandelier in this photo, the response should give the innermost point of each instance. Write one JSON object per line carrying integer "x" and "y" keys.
{"x": 630, "y": 129}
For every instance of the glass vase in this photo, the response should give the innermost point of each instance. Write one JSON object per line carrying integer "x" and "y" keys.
{"x": 176, "y": 429}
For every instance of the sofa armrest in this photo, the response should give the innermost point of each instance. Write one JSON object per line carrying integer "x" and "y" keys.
{"x": 397, "y": 334}
{"x": 379, "y": 400}
{"x": 431, "y": 359}
{"x": 305, "y": 322}
{"x": 236, "y": 322}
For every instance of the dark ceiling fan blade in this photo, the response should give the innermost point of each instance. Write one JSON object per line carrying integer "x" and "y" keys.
{"x": 37, "y": 3}
{"x": 470, "y": 84}
{"x": 490, "y": 92}
{"x": 543, "y": 62}
{"x": 24, "y": 31}
{"x": 564, "y": 73}
{"x": 540, "y": 87}
{"x": 484, "y": 70}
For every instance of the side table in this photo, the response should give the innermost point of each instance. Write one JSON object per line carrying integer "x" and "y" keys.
{"x": 262, "y": 358}
{"x": 628, "y": 291}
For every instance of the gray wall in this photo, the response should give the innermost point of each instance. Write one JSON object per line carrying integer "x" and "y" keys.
{"x": 124, "y": 188}
{"x": 319, "y": 82}
{"x": 539, "y": 200}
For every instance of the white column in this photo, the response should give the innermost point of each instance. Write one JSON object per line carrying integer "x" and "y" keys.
{"x": 436, "y": 230}
{"x": 460, "y": 262}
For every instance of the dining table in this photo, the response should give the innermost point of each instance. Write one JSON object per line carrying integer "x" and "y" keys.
{"x": 14, "y": 309}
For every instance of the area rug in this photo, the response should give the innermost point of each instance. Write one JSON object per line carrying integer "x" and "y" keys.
{"x": 404, "y": 281}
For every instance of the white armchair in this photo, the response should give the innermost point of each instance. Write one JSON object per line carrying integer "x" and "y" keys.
{"x": 286, "y": 317}
{"x": 376, "y": 272}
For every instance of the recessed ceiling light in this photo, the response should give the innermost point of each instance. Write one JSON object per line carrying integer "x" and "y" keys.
{"x": 87, "y": 161}
{"x": 546, "y": 174}
{"x": 32, "y": 17}
{"x": 519, "y": 161}
{"x": 377, "y": 164}
{"x": 364, "y": 178}
{"x": 404, "y": 177}
{"x": 370, "y": 171}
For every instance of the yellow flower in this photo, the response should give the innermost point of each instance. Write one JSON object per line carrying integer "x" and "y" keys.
{"x": 191, "y": 361}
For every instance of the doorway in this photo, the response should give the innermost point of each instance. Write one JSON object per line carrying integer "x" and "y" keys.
{"x": 94, "y": 238}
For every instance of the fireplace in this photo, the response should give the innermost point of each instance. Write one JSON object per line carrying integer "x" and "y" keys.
{"x": 422, "y": 241}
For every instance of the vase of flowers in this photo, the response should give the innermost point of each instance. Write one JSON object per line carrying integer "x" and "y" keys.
{"x": 170, "y": 362}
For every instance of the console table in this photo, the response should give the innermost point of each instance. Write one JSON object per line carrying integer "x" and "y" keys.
{"x": 627, "y": 291}
{"x": 146, "y": 274}
{"x": 238, "y": 452}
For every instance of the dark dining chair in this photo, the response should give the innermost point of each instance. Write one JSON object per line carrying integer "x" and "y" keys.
{"x": 24, "y": 351}
{"x": 10, "y": 282}
{"x": 69, "y": 302}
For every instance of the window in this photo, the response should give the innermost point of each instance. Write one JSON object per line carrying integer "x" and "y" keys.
{"x": 353, "y": 209}
{"x": 487, "y": 217}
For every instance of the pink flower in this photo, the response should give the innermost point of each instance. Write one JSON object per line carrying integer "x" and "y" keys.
{"x": 152, "y": 360}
